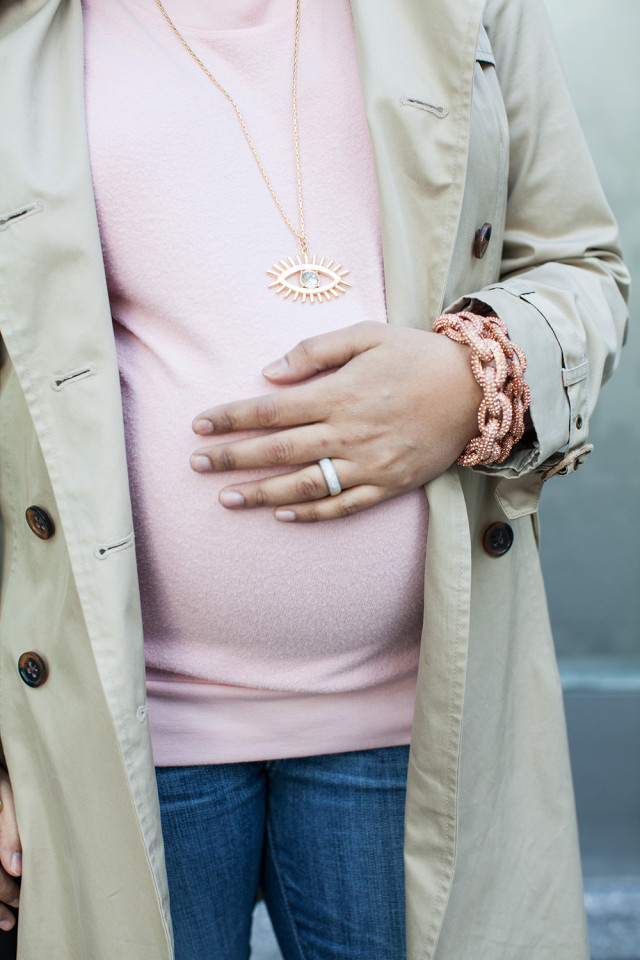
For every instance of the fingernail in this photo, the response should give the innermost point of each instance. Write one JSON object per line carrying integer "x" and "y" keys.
{"x": 277, "y": 368}
{"x": 6, "y": 924}
{"x": 200, "y": 463}
{"x": 15, "y": 903}
{"x": 202, "y": 426}
{"x": 286, "y": 515}
{"x": 16, "y": 864}
{"x": 231, "y": 498}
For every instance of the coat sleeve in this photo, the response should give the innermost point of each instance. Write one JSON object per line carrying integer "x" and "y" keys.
{"x": 563, "y": 286}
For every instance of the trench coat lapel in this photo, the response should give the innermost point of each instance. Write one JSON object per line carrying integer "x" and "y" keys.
{"x": 56, "y": 325}
{"x": 416, "y": 62}
{"x": 55, "y": 316}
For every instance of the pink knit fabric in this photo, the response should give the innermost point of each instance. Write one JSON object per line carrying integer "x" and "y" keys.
{"x": 262, "y": 639}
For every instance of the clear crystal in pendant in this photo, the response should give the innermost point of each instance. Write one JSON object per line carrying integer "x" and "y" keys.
{"x": 309, "y": 279}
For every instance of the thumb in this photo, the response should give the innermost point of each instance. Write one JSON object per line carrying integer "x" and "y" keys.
{"x": 324, "y": 352}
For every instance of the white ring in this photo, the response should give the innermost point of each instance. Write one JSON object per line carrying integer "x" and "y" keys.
{"x": 330, "y": 475}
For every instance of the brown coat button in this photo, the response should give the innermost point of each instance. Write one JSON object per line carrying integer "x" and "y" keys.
{"x": 481, "y": 242}
{"x": 40, "y": 522}
{"x": 33, "y": 669}
{"x": 497, "y": 539}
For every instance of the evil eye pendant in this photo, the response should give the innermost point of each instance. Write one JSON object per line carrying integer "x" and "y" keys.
{"x": 308, "y": 279}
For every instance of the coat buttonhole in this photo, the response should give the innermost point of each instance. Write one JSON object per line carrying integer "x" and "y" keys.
{"x": 435, "y": 109}
{"x": 6, "y": 219}
{"x": 106, "y": 549}
{"x": 59, "y": 382}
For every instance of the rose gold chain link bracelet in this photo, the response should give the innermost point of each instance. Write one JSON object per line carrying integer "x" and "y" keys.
{"x": 498, "y": 365}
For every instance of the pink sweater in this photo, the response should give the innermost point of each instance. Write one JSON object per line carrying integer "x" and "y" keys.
{"x": 262, "y": 639}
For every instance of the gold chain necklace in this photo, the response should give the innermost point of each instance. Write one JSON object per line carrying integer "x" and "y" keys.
{"x": 315, "y": 279}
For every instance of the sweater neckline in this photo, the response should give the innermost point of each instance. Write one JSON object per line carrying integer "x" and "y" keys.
{"x": 211, "y": 18}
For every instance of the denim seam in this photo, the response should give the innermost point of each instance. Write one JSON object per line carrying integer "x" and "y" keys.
{"x": 283, "y": 890}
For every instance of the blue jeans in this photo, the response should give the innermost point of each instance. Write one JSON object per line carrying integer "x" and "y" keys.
{"x": 322, "y": 836}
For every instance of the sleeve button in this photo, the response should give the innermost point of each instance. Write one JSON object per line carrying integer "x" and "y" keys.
{"x": 578, "y": 423}
{"x": 33, "y": 669}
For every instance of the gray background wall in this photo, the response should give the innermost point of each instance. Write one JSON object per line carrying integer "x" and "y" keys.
{"x": 591, "y": 521}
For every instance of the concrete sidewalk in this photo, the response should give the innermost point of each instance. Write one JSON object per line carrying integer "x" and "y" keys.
{"x": 613, "y": 910}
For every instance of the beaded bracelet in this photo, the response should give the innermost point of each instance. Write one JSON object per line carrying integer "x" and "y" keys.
{"x": 498, "y": 366}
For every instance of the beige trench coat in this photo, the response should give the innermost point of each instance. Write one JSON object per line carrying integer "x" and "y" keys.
{"x": 470, "y": 124}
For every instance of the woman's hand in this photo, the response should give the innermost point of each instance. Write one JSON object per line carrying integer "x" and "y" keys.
{"x": 397, "y": 409}
{"x": 10, "y": 853}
